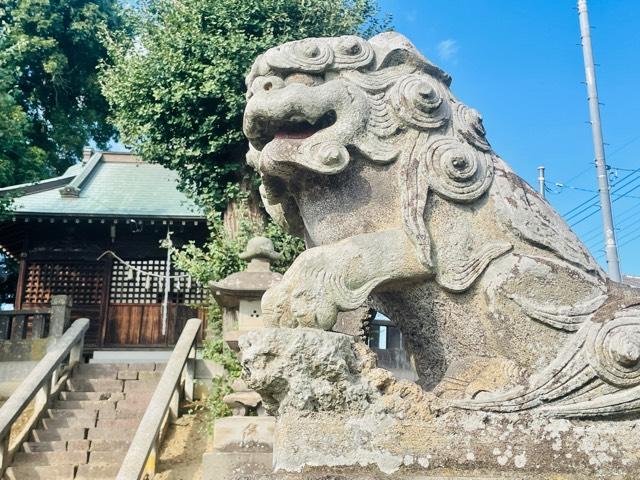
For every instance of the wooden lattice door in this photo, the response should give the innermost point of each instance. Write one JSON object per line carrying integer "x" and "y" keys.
{"x": 85, "y": 282}
{"x": 135, "y": 304}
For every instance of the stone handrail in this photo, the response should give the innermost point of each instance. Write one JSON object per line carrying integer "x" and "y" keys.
{"x": 140, "y": 461}
{"x": 41, "y": 384}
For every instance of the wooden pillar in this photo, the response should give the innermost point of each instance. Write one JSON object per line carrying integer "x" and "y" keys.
{"x": 104, "y": 303}
{"x": 22, "y": 276}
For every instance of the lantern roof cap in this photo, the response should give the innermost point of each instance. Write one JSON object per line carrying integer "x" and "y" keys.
{"x": 260, "y": 247}
{"x": 252, "y": 282}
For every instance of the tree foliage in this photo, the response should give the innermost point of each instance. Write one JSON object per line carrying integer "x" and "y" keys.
{"x": 177, "y": 89}
{"x": 20, "y": 162}
{"x": 51, "y": 104}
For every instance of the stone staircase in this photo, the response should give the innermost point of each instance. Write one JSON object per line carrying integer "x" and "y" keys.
{"x": 86, "y": 432}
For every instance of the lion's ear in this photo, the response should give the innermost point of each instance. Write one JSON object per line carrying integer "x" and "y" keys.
{"x": 393, "y": 49}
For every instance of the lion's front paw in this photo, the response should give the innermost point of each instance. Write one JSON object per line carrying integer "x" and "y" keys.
{"x": 291, "y": 304}
{"x": 302, "y": 298}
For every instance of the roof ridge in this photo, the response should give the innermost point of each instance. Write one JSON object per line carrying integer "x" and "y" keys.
{"x": 74, "y": 188}
{"x": 38, "y": 186}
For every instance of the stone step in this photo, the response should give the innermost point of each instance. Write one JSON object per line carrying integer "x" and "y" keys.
{"x": 74, "y": 433}
{"x": 107, "y": 457}
{"x": 38, "y": 459}
{"x": 55, "y": 446}
{"x": 130, "y": 356}
{"x": 128, "y": 374}
{"x": 126, "y": 423}
{"x": 119, "y": 413}
{"x": 76, "y": 445}
{"x": 111, "y": 445}
{"x": 97, "y": 370}
{"x": 54, "y": 472}
{"x": 64, "y": 413}
{"x": 35, "y": 447}
{"x": 84, "y": 404}
{"x": 93, "y": 396}
{"x": 94, "y": 385}
{"x": 102, "y": 376}
{"x": 137, "y": 405}
{"x": 140, "y": 386}
{"x": 154, "y": 376}
{"x": 111, "y": 433}
{"x": 68, "y": 422}
{"x": 97, "y": 472}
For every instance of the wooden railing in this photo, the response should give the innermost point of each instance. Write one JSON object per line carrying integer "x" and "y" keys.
{"x": 41, "y": 385}
{"x": 22, "y": 324}
{"x": 140, "y": 461}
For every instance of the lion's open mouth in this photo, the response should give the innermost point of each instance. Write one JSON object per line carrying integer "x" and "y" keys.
{"x": 296, "y": 127}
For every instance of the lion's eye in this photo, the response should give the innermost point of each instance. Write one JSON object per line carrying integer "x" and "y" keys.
{"x": 266, "y": 84}
{"x": 311, "y": 51}
{"x": 349, "y": 47}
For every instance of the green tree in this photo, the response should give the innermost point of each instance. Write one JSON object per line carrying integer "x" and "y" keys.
{"x": 177, "y": 89}
{"x": 20, "y": 162}
{"x": 51, "y": 104}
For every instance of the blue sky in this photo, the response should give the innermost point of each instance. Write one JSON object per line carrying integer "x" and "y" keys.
{"x": 520, "y": 65}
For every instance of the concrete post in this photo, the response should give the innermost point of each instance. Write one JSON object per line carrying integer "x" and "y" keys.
{"x": 60, "y": 315}
{"x": 75, "y": 355}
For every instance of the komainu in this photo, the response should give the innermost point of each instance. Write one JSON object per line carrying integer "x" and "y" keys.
{"x": 364, "y": 151}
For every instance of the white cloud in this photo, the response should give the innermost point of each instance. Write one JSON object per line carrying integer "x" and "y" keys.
{"x": 447, "y": 49}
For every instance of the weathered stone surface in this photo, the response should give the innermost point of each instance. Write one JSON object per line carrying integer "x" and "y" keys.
{"x": 336, "y": 409}
{"x": 528, "y": 358}
{"x": 307, "y": 370}
{"x": 364, "y": 151}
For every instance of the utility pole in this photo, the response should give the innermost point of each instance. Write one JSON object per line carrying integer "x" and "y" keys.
{"x": 541, "y": 181}
{"x": 610, "y": 247}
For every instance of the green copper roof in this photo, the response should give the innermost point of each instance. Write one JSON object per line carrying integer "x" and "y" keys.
{"x": 109, "y": 184}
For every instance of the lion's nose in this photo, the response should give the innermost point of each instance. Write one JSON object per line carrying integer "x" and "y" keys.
{"x": 265, "y": 84}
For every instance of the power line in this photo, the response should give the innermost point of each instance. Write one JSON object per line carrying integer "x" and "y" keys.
{"x": 621, "y": 221}
{"x": 630, "y": 240}
{"x": 616, "y": 189}
{"x": 633, "y": 172}
{"x": 631, "y": 232}
{"x": 623, "y": 146}
{"x": 580, "y": 189}
{"x": 618, "y": 197}
{"x": 609, "y": 155}
{"x": 629, "y": 219}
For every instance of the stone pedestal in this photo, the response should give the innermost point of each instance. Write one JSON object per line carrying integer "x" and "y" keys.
{"x": 243, "y": 443}
{"x": 242, "y": 446}
{"x": 340, "y": 416}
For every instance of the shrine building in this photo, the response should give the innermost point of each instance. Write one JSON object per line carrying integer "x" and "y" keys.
{"x": 98, "y": 233}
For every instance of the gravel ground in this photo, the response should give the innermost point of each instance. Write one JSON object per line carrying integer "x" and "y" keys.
{"x": 186, "y": 441}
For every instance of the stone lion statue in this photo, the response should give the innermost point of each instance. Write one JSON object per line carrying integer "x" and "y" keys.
{"x": 364, "y": 152}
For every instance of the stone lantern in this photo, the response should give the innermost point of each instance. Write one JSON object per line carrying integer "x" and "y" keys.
{"x": 243, "y": 443}
{"x": 240, "y": 293}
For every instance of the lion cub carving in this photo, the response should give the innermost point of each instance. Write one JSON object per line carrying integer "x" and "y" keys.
{"x": 364, "y": 151}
